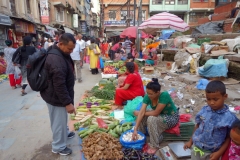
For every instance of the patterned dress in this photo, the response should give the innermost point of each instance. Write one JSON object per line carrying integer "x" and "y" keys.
{"x": 8, "y": 53}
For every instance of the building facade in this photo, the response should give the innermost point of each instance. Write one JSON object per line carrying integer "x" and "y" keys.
{"x": 177, "y": 7}
{"x": 200, "y": 9}
{"x": 114, "y": 14}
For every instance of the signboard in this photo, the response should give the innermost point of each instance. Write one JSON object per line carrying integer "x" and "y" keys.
{"x": 118, "y": 23}
{"x": 83, "y": 27}
{"x": 5, "y": 20}
{"x": 44, "y": 11}
{"x": 75, "y": 20}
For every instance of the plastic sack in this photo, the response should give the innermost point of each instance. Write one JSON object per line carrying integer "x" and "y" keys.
{"x": 101, "y": 62}
{"x": 174, "y": 130}
{"x": 98, "y": 64}
{"x": 17, "y": 70}
{"x": 130, "y": 108}
{"x": 185, "y": 118}
{"x": 202, "y": 84}
{"x": 138, "y": 145}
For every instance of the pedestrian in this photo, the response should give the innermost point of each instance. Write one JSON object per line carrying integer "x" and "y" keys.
{"x": 45, "y": 46}
{"x": 213, "y": 123}
{"x": 77, "y": 57}
{"x": 3, "y": 63}
{"x": 14, "y": 78}
{"x": 127, "y": 44}
{"x": 50, "y": 42}
{"x": 59, "y": 94}
{"x": 25, "y": 51}
{"x": 94, "y": 58}
{"x": 82, "y": 44}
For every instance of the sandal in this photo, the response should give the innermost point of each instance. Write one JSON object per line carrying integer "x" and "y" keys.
{"x": 14, "y": 87}
{"x": 24, "y": 93}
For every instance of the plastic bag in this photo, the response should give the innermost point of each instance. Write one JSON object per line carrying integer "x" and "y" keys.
{"x": 130, "y": 108}
{"x": 98, "y": 64}
{"x": 202, "y": 84}
{"x": 138, "y": 144}
{"x": 101, "y": 62}
{"x": 185, "y": 118}
{"x": 174, "y": 130}
{"x": 17, "y": 70}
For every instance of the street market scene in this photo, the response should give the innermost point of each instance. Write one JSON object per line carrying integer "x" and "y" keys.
{"x": 119, "y": 80}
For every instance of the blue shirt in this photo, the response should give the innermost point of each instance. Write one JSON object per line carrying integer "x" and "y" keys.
{"x": 214, "y": 127}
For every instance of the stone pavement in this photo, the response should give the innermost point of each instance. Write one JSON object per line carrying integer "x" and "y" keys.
{"x": 25, "y": 132}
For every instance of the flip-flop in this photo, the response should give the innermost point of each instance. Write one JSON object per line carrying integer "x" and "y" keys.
{"x": 24, "y": 93}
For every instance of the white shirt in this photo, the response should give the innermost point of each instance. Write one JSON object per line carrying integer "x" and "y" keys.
{"x": 82, "y": 43}
{"x": 88, "y": 43}
{"x": 75, "y": 55}
{"x": 45, "y": 45}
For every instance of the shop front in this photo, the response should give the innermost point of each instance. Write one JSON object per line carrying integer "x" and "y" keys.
{"x": 5, "y": 22}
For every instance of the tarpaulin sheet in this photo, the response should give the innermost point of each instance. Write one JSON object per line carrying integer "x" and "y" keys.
{"x": 208, "y": 28}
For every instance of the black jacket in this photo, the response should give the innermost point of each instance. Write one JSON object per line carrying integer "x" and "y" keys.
{"x": 60, "y": 78}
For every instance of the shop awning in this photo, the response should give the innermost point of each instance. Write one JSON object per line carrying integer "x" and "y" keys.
{"x": 51, "y": 28}
{"x": 5, "y": 20}
{"x": 68, "y": 30}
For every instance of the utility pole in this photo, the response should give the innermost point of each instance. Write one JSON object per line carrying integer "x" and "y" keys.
{"x": 102, "y": 19}
{"x": 139, "y": 22}
{"x": 134, "y": 14}
{"x": 128, "y": 13}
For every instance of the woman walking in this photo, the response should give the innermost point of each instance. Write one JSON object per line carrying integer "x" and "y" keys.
{"x": 24, "y": 51}
{"x": 94, "y": 53}
{"x": 14, "y": 78}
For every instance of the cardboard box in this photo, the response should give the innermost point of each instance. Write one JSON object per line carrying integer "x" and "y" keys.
{"x": 148, "y": 70}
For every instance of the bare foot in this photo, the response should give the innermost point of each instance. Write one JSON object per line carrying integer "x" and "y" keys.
{"x": 152, "y": 150}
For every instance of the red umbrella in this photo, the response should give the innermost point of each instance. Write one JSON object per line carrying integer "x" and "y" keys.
{"x": 131, "y": 32}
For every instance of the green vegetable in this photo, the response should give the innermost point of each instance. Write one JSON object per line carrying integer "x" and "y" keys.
{"x": 112, "y": 125}
{"x": 89, "y": 131}
{"x": 126, "y": 124}
{"x": 72, "y": 116}
{"x": 114, "y": 134}
{"x": 95, "y": 126}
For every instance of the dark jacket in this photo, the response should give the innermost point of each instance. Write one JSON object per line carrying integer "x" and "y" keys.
{"x": 60, "y": 78}
{"x": 25, "y": 52}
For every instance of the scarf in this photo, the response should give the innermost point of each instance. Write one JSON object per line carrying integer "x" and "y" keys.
{"x": 92, "y": 46}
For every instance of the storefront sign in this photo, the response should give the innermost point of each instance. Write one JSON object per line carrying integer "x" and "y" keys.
{"x": 83, "y": 27}
{"x": 75, "y": 20}
{"x": 24, "y": 27}
{"x": 44, "y": 11}
{"x": 5, "y": 20}
{"x": 117, "y": 23}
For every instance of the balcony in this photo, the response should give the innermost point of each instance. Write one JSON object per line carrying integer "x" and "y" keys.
{"x": 59, "y": 3}
{"x": 157, "y": 6}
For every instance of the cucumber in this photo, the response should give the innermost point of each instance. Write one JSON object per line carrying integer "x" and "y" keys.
{"x": 103, "y": 130}
{"x": 95, "y": 126}
{"x": 114, "y": 135}
{"x": 94, "y": 109}
{"x": 111, "y": 126}
{"x": 126, "y": 123}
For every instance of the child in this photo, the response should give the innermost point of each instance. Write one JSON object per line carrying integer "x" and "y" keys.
{"x": 234, "y": 151}
{"x": 213, "y": 123}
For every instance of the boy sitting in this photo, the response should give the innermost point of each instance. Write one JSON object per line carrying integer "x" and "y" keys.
{"x": 213, "y": 124}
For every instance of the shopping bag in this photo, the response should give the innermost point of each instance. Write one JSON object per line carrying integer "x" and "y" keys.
{"x": 17, "y": 70}
{"x": 87, "y": 59}
{"x": 101, "y": 62}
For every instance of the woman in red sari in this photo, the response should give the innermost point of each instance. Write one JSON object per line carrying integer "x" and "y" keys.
{"x": 131, "y": 88}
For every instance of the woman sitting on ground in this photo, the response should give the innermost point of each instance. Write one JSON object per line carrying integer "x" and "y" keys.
{"x": 162, "y": 116}
{"x": 131, "y": 88}
{"x": 152, "y": 58}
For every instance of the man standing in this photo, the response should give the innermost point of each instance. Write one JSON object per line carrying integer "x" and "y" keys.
{"x": 82, "y": 46}
{"x": 77, "y": 58}
{"x": 127, "y": 44}
{"x": 59, "y": 94}
{"x": 45, "y": 46}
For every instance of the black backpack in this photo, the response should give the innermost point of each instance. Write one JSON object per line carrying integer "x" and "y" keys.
{"x": 36, "y": 74}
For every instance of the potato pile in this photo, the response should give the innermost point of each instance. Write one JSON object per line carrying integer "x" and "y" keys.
{"x": 101, "y": 146}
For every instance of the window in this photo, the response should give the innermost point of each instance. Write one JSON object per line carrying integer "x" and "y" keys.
{"x": 59, "y": 15}
{"x": 182, "y": 2}
{"x": 13, "y": 8}
{"x": 156, "y": 1}
{"x": 143, "y": 15}
{"x": 112, "y": 15}
{"x": 194, "y": 16}
{"x": 69, "y": 18}
{"x": 170, "y": 2}
{"x": 124, "y": 15}
{"x": 28, "y": 7}
{"x": 200, "y": 0}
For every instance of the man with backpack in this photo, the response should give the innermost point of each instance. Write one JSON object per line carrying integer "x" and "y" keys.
{"x": 59, "y": 93}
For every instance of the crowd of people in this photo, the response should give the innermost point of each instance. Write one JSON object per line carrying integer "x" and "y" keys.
{"x": 217, "y": 131}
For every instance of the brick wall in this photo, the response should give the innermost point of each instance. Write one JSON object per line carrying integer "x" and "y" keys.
{"x": 225, "y": 8}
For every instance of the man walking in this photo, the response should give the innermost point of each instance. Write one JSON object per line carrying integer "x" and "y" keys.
{"x": 82, "y": 46}
{"x": 77, "y": 58}
{"x": 59, "y": 94}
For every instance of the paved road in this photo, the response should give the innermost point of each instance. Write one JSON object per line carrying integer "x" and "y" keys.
{"x": 25, "y": 132}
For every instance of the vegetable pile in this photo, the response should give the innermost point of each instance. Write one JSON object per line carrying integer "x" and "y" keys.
{"x": 3, "y": 77}
{"x": 101, "y": 146}
{"x": 128, "y": 137}
{"x": 107, "y": 92}
{"x": 130, "y": 154}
